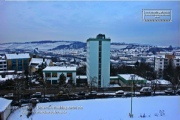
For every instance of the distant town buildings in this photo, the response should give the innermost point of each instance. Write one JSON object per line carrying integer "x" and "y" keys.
{"x": 96, "y": 56}
{"x": 98, "y": 60}
{"x": 36, "y": 62}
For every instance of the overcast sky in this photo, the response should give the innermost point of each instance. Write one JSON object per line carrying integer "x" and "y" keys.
{"x": 121, "y": 21}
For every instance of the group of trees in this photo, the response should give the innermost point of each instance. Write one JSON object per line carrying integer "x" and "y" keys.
{"x": 172, "y": 74}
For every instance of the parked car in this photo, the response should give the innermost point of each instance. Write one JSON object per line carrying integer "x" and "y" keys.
{"x": 34, "y": 100}
{"x": 45, "y": 100}
{"x": 81, "y": 95}
{"x": 93, "y": 93}
{"x": 73, "y": 97}
{"x": 23, "y": 101}
{"x": 169, "y": 91}
{"x": 36, "y": 95}
{"x": 146, "y": 91}
{"x": 14, "y": 103}
{"x": 119, "y": 93}
{"x": 178, "y": 92}
{"x": 9, "y": 95}
{"x": 63, "y": 97}
{"x": 128, "y": 94}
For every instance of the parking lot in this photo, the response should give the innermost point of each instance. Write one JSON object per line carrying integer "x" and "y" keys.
{"x": 63, "y": 96}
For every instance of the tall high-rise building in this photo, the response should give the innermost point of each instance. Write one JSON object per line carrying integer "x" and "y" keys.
{"x": 98, "y": 60}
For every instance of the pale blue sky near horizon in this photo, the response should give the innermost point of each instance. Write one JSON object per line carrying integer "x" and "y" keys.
{"x": 119, "y": 20}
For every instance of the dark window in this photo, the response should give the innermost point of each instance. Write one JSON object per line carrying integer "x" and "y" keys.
{"x": 20, "y": 68}
{"x": 99, "y": 65}
{"x": 48, "y": 74}
{"x": 48, "y": 81}
{"x": 13, "y": 62}
{"x": 54, "y": 74}
{"x": 54, "y": 81}
{"x": 69, "y": 74}
{"x": 99, "y": 76}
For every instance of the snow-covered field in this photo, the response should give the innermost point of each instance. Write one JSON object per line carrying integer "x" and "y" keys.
{"x": 118, "y": 46}
{"x": 32, "y": 46}
{"x": 153, "y": 108}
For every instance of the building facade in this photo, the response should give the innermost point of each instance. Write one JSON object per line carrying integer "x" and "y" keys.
{"x": 52, "y": 74}
{"x": 3, "y": 65}
{"x": 18, "y": 62}
{"x": 161, "y": 62}
{"x": 98, "y": 60}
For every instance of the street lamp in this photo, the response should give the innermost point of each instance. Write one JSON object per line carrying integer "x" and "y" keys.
{"x": 132, "y": 81}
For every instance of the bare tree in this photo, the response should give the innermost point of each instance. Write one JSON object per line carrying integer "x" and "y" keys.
{"x": 93, "y": 82}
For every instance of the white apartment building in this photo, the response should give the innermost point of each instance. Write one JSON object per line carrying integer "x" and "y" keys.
{"x": 98, "y": 60}
{"x": 3, "y": 65}
{"x": 161, "y": 62}
{"x": 177, "y": 61}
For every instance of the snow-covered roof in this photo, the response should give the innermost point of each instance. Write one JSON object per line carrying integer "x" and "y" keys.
{"x": 17, "y": 56}
{"x": 58, "y": 68}
{"x": 4, "y": 103}
{"x": 161, "y": 82}
{"x": 159, "y": 56}
{"x": 128, "y": 76}
{"x": 38, "y": 61}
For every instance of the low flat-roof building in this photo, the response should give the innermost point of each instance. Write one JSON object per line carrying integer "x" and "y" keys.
{"x": 128, "y": 78}
{"x": 52, "y": 73}
{"x": 5, "y": 108}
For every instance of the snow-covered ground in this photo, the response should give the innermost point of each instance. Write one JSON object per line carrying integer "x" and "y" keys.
{"x": 154, "y": 108}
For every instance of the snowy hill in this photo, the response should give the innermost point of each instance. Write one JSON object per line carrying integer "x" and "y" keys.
{"x": 145, "y": 108}
{"x": 41, "y": 45}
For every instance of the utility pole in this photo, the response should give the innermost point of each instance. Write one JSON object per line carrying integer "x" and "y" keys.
{"x": 132, "y": 79}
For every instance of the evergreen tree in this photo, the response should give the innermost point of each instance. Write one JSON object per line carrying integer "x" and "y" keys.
{"x": 62, "y": 79}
